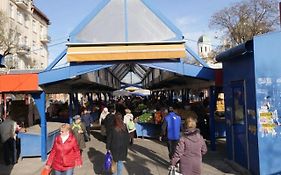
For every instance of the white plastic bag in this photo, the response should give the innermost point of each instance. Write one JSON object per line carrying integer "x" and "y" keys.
{"x": 173, "y": 171}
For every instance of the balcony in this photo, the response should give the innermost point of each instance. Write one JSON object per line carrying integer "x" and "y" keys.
{"x": 45, "y": 38}
{"x": 22, "y": 3}
{"x": 23, "y": 50}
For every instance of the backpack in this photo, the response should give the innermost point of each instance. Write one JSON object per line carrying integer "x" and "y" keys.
{"x": 131, "y": 125}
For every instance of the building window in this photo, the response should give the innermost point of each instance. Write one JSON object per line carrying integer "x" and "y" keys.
{"x": 201, "y": 49}
{"x": 41, "y": 30}
{"x": 34, "y": 47}
{"x": 20, "y": 39}
{"x": 206, "y": 49}
{"x": 42, "y": 50}
{"x": 25, "y": 41}
{"x": 34, "y": 26}
{"x": 12, "y": 12}
{"x": 20, "y": 17}
{"x": 26, "y": 21}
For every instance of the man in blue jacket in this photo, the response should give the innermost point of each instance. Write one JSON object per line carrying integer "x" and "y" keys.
{"x": 171, "y": 128}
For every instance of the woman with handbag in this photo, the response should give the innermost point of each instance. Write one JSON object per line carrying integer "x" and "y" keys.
{"x": 190, "y": 149}
{"x": 65, "y": 154}
{"x": 118, "y": 142}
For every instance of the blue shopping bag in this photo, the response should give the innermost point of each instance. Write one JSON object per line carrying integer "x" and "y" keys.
{"x": 107, "y": 161}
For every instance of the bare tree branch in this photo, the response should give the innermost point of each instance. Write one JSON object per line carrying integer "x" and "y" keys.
{"x": 8, "y": 37}
{"x": 242, "y": 21}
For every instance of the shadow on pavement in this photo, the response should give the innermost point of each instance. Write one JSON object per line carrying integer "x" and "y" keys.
{"x": 152, "y": 155}
{"x": 216, "y": 158}
{"x": 98, "y": 136}
{"x": 134, "y": 168}
{"x": 213, "y": 158}
{"x": 97, "y": 159}
{"x": 132, "y": 165}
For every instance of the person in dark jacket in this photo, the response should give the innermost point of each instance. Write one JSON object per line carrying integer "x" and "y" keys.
{"x": 171, "y": 128}
{"x": 87, "y": 120}
{"x": 65, "y": 154}
{"x": 190, "y": 149}
{"x": 109, "y": 120}
{"x": 79, "y": 131}
{"x": 118, "y": 142}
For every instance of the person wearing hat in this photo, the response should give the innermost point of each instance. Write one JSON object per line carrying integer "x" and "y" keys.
{"x": 78, "y": 129}
{"x": 171, "y": 128}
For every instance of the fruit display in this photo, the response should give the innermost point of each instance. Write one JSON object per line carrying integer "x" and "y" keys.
{"x": 146, "y": 118}
{"x": 158, "y": 117}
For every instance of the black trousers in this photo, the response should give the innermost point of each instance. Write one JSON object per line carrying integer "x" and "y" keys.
{"x": 172, "y": 144}
{"x": 132, "y": 136}
{"x": 10, "y": 151}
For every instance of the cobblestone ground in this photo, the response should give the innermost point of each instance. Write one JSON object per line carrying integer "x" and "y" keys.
{"x": 145, "y": 157}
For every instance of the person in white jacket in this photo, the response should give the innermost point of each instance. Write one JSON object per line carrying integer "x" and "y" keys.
{"x": 103, "y": 115}
{"x": 129, "y": 121}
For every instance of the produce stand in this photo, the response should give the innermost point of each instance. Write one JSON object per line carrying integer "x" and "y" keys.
{"x": 30, "y": 141}
{"x": 146, "y": 127}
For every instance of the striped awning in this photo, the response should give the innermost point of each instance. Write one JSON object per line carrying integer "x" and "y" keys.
{"x": 125, "y": 51}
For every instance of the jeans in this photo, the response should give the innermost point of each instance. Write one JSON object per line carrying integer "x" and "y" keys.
{"x": 67, "y": 172}
{"x": 172, "y": 144}
{"x": 119, "y": 168}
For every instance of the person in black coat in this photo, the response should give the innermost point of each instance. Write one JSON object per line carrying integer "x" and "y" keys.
{"x": 109, "y": 120}
{"x": 118, "y": 142}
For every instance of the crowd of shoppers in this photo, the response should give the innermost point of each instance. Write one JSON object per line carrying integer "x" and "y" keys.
{"x": 118, "y": 127}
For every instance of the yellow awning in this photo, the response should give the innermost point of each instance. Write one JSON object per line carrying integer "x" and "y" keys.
{"x": 80, "y": 53}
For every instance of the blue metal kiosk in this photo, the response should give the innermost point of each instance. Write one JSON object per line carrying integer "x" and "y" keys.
{"x": 252, "y": 87}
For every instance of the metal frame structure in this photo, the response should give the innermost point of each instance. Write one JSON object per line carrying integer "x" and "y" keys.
{"x": 53, "y": 75}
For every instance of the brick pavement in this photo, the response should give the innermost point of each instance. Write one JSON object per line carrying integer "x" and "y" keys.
{"x": 145, "y": 157}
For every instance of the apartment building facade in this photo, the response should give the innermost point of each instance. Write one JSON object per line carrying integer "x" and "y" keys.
{"x": 31, "y": 27}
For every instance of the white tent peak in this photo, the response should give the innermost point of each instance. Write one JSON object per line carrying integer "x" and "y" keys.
{"x": 125, "y": 21}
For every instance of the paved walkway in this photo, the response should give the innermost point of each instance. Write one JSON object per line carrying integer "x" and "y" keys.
{"x": 145, "y": 157}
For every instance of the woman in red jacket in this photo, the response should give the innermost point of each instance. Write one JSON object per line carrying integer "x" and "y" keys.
{"x": 65, "y": 154}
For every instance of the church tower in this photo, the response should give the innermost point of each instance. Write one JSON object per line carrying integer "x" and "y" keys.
{"x": 204, "y": 46}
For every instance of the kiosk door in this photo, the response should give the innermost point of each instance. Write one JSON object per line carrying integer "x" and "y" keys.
{"x": 240, "y": 151}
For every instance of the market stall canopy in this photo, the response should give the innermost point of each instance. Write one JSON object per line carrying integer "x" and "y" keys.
{"x": 19, "y": 82}
{"x": 121, "y": 92}
{"x": 131, "y": 88}
{"x": 78, "y": 52}
{"x": 125, "y": 21}
{"x": 142, "y": 92}
{"x": 131, "y": 91}
{"x": 121, "y": 41}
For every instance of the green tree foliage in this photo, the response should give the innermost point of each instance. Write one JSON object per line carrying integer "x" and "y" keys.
{"x": 242, "y": 21}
